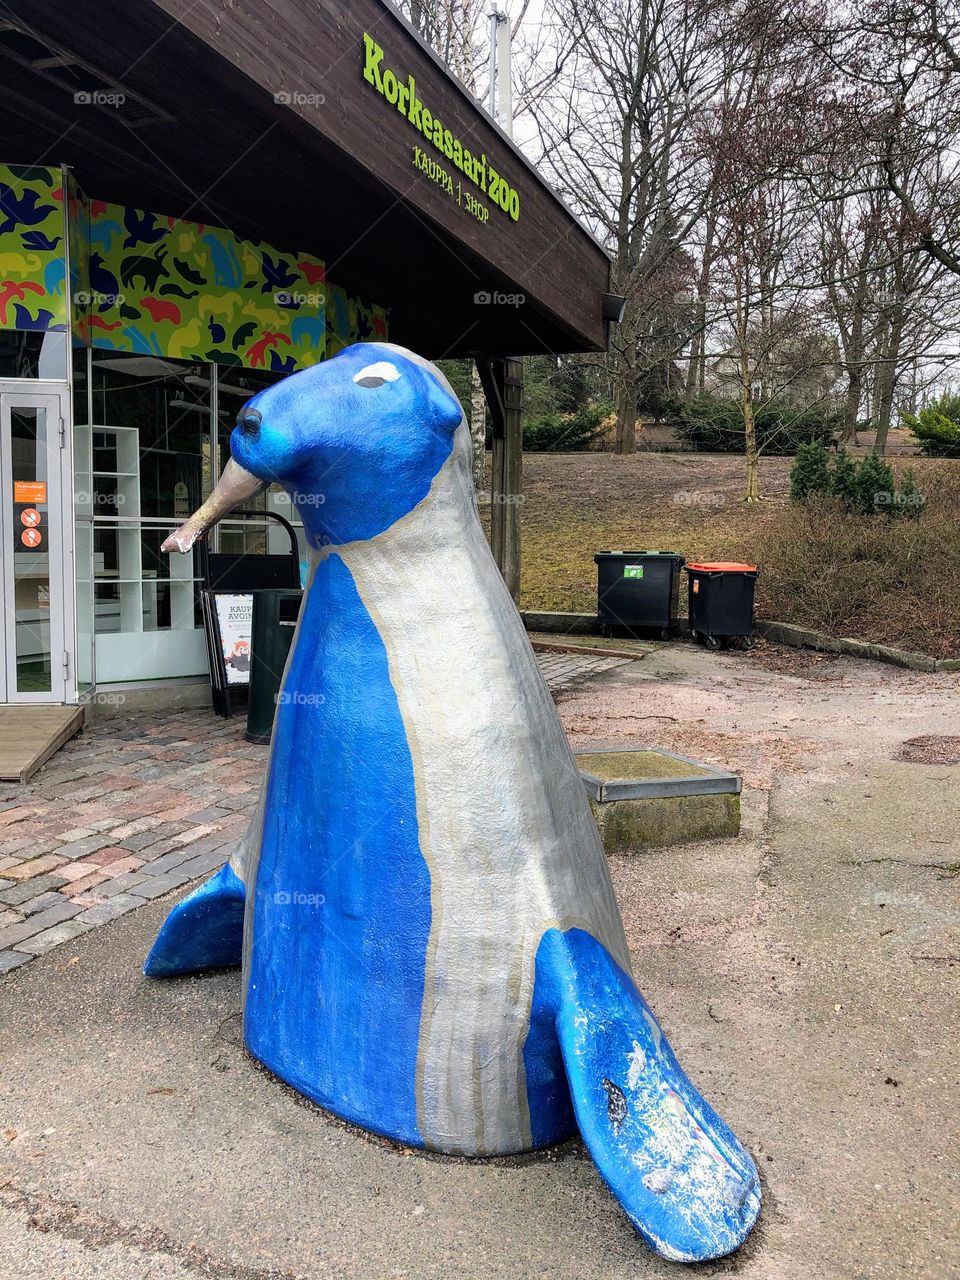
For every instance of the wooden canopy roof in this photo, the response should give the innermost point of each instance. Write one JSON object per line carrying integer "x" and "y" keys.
{"x": 321, "y": 126}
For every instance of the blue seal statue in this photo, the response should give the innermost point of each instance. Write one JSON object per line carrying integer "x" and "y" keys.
{"x": 430, "y": 942}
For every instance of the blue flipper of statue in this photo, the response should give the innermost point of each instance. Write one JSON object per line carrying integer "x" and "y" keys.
{"x": 684, "y": 1179}
{"x": 204, "y": 931}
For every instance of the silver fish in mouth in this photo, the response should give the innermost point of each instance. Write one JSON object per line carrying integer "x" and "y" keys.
{"x": 235, "y": 485}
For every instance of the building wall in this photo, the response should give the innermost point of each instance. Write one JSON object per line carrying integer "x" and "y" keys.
{"x": 173, "y": 325}
{"x": 32, "y": 247}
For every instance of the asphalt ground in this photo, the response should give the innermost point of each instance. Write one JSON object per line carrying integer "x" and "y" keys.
{"x": 806, "y": 974}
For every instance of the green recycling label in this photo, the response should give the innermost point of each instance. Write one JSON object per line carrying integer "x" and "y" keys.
{"x": 633, "y": 571}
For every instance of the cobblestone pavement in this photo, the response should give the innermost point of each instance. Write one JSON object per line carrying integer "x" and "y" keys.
{"x": 133, "y": 808}
{"x": 565, "y": 669}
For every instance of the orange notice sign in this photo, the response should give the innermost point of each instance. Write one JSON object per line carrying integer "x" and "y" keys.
{"x": 31, "y": 537}
{"x": 30, "y": 491}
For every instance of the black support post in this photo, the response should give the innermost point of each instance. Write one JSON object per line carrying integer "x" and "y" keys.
{"x": 502, "y": 379}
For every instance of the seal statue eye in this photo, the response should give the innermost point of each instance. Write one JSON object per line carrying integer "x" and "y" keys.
{"x": 248, "y": 420}
{"x": 375, "y": 375}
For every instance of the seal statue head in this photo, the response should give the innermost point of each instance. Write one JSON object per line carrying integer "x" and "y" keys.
{"x": 357, "y": 440}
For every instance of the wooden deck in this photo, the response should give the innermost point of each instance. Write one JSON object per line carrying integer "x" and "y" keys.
{"x": 30, "y": 733}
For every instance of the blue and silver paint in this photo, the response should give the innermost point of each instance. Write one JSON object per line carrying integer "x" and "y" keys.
{"x": 431, "y": 946}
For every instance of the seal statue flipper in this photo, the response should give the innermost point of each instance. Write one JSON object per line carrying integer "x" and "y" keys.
{"x": 204, "y": 931}
{"x": 686, "y": 1183}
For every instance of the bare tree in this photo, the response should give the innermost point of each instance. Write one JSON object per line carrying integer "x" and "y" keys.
{"x": 886, "y": 177}
{"x": 762, "y": 223}
{"x": 850, "y": 244}
{"x": 776, "y": 181}
{"x": 898, "y": 65}
{"x": 615, "y": 128}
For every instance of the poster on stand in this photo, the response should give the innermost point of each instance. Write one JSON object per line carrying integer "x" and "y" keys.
{"x": 235, "y": 622}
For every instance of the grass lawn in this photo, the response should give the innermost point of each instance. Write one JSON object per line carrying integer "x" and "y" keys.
{"x": 575, "y": 504}
{"x": 890, "y": 581}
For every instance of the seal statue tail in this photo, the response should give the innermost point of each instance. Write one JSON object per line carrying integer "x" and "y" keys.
{"x": 204, "y": 931}
{"x": 687, "y": 1184}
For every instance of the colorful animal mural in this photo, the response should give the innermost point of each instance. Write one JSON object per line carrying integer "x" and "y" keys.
{"x": 167, "y": 287}
{"x": 32, "y": 249}
{"x": 150, "y": 284}
{"x": 351, "y": 320}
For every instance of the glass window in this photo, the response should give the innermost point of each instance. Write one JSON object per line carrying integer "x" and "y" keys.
{"x": 145, "y": 458}
{"x": 25, "y": 353}
{"x": 149, "y": 444}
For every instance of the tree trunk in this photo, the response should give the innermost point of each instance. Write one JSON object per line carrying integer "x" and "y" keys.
{"x": 697, "y": 368}
{"x": 750, "y": 447}
{"x": 693, "y": 360}
{"x": 881, "y": 346}
{"x": 766, "y": 334}
{"x": 887, "y": 385}
{"x": 478, "y": 430}
{"x": 751, "y": 453}
{"x": 626, "y": 441}
{"x": 851, "y": 407}
{"x": 626, "y": 417}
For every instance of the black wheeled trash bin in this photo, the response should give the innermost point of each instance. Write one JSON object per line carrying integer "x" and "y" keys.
{"x": 720, "y": 601}
{"x": 638, "y": 591}
{"x": 275, "y": 613}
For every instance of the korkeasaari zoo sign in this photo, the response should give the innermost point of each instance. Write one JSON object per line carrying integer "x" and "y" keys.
{"x": 401, "y": 92}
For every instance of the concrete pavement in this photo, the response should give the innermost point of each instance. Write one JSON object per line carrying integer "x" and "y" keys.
{"x": 805, "y": 973}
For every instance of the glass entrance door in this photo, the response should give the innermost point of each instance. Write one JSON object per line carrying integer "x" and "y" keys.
{"x": 35, "y": 662}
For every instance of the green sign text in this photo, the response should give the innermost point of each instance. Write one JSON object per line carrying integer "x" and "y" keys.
{"x": 402, "y": 94}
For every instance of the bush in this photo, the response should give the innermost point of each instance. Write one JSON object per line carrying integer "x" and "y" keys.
{"x": 843, "y": 478}
{"x": 810, "y": 472}
{"x": 909, "y": 495}
{"x": 867, "y": 487}
{"x": 714, "y": 424}
{"x": 891, "y": 582}
{"x": 565, "y": 433}
{"x": 873, "y": 488}
{"x": 938, "y": 427}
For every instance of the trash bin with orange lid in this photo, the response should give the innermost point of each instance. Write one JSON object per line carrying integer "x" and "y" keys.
{"x": 720, "y": 601}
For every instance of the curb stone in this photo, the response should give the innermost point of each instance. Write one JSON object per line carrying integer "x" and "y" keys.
{"x": 573, "y": 624}
{"x": 802, "y": 637}
{"x": 541, "y": 645}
